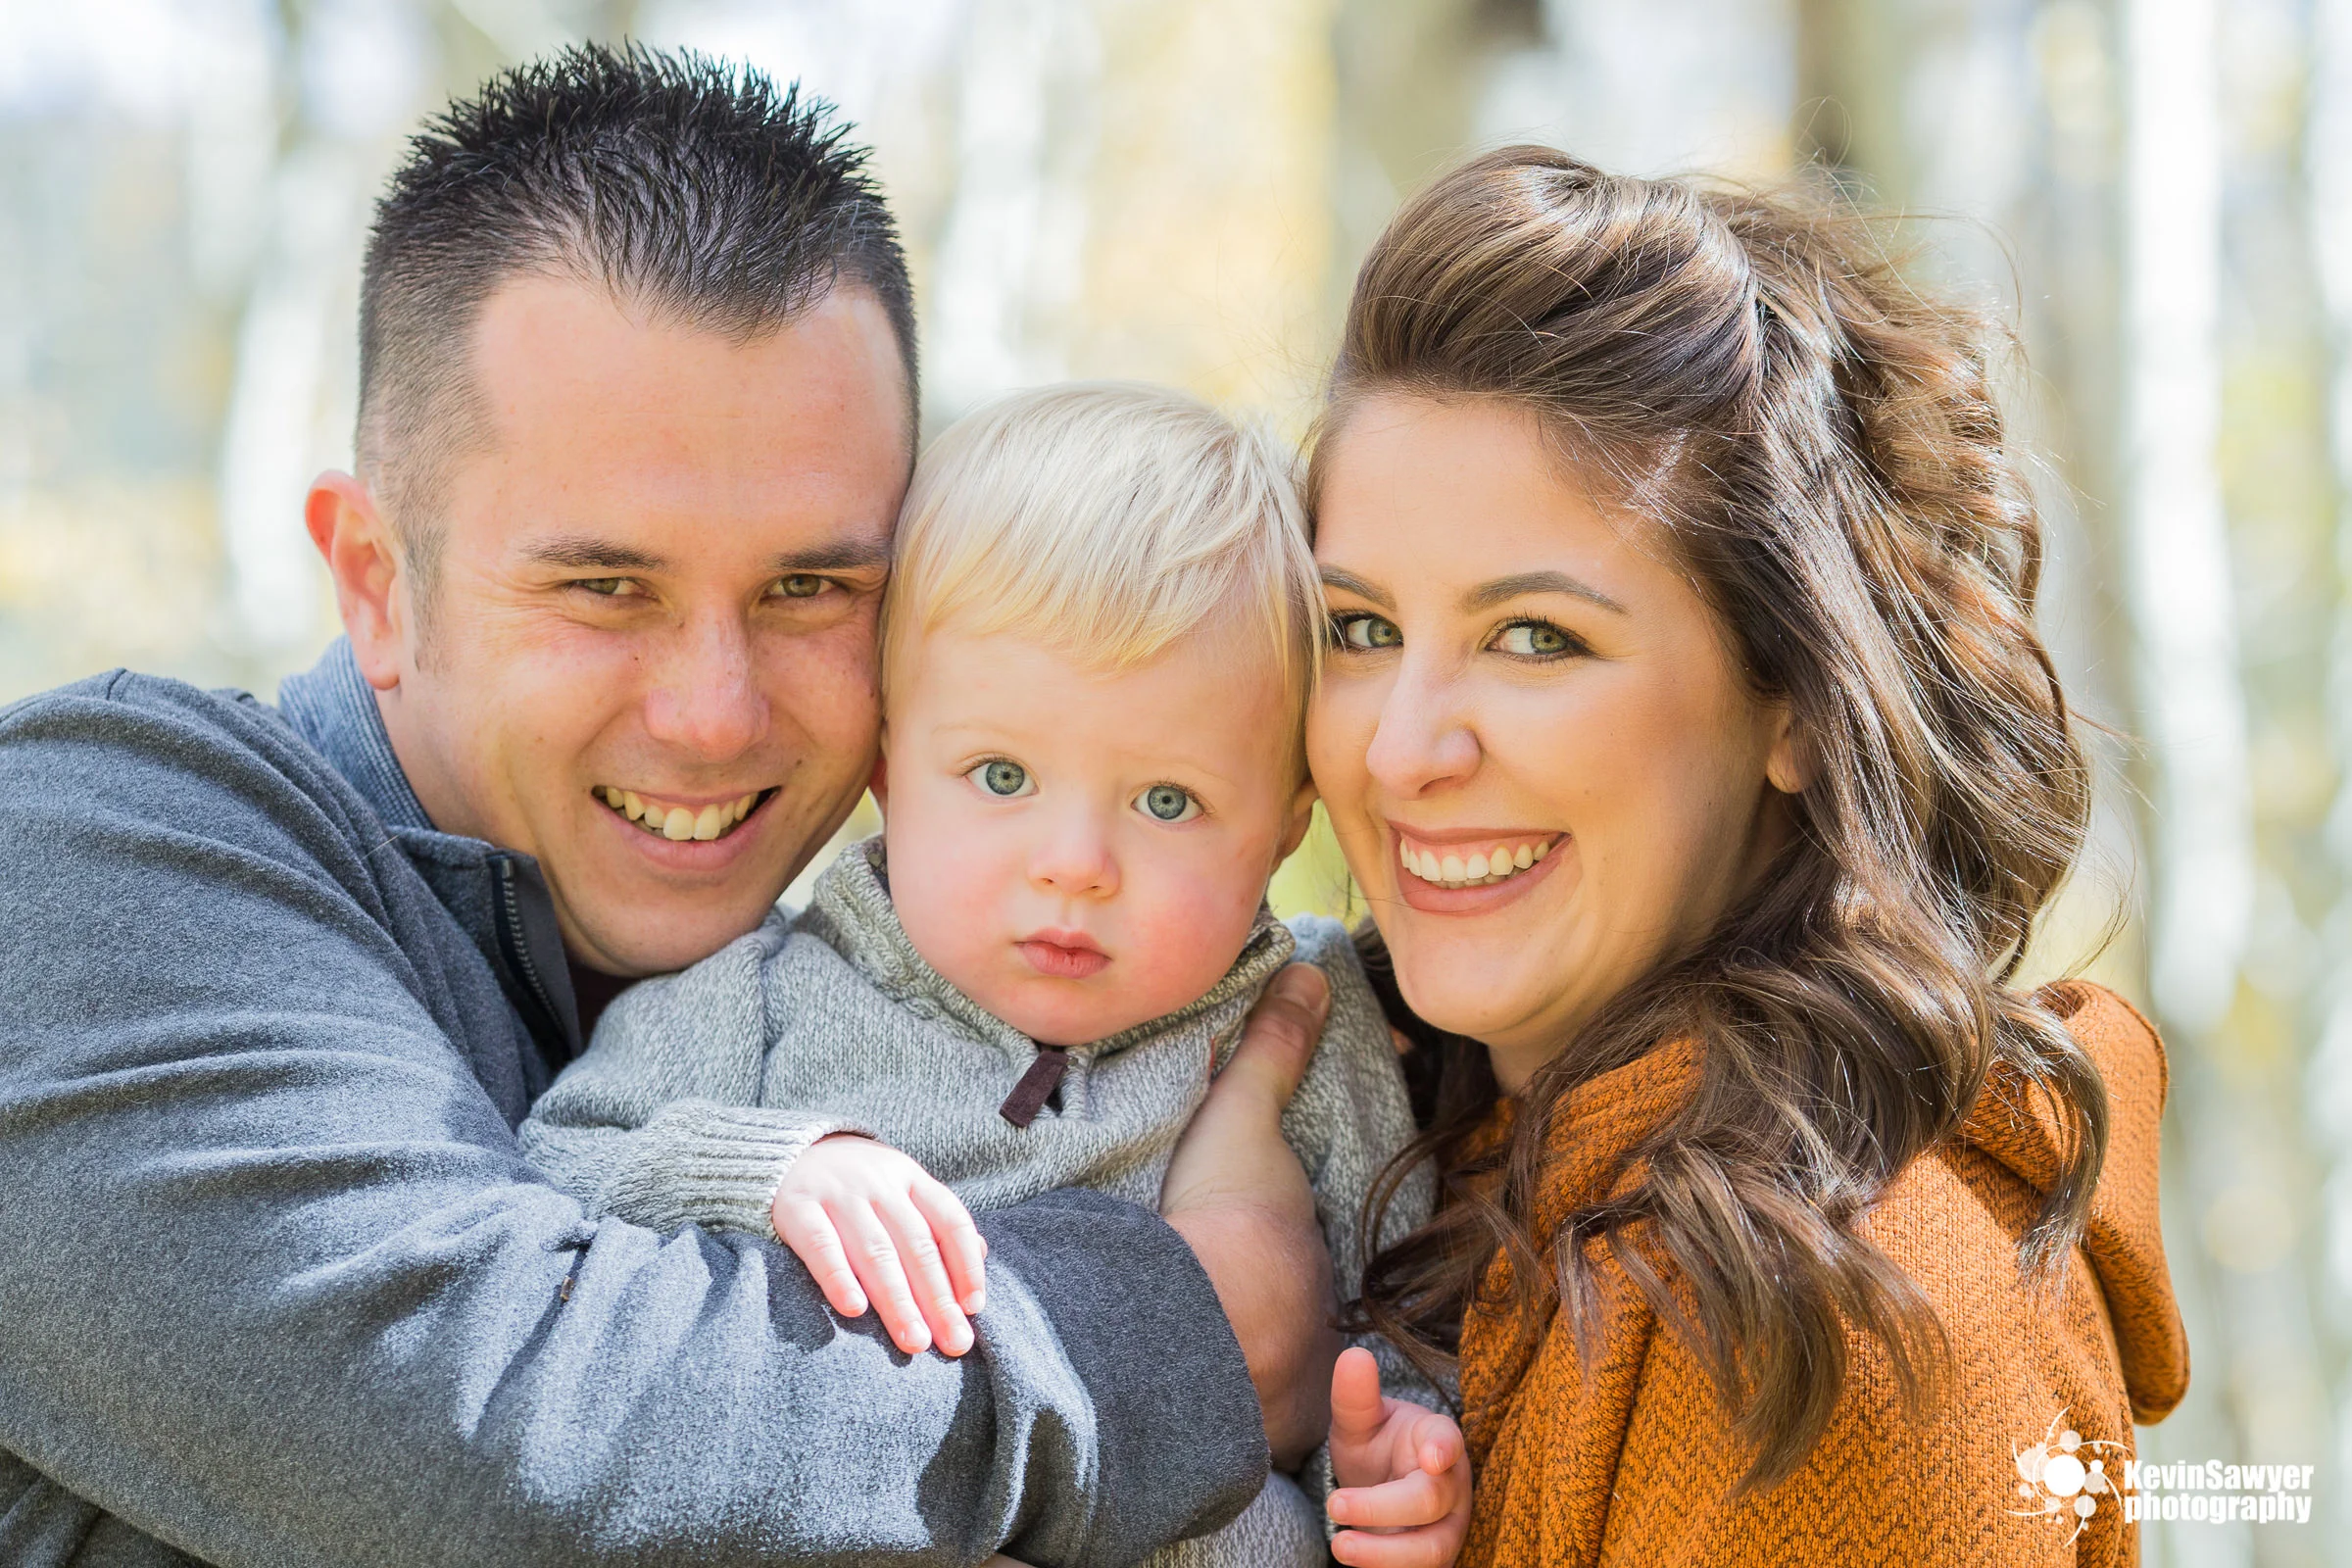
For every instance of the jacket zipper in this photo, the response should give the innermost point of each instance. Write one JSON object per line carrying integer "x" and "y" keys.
{"x": 517, "y": 947}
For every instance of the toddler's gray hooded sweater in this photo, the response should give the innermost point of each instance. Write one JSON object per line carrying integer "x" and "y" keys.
{"x": 698, "y": 1089}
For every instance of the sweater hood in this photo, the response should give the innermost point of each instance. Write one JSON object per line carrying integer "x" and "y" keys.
{"x": 1600, "y": 1123}
{"x": 2016, "y": 1127}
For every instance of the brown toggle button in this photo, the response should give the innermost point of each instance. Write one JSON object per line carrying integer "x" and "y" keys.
{"x": 1037, "y": 1086}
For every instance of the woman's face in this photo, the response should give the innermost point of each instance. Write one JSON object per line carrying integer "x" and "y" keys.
{"x": 1543, "y": 761}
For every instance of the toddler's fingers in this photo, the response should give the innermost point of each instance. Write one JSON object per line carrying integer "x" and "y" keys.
{"x": 1436, "y": 1442}
{"x": 803, "y": 1226}
{"x": 926, "y": 1274}
{"x": 1355, "y": 1404}
{"x": 874, "y": 1254}
{"x": 1430, "y": 1547}
{"x": 1415, "y": 1497}
{"x": 959, "y": 1239}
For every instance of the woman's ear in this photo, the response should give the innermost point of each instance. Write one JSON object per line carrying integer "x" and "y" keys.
{"x": 1303, "y": 816}
{"x": 1789, "y": 763}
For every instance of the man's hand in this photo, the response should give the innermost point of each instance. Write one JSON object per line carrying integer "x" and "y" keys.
{"x": 873, "y": 1225}
{"x": 1403, "y": 1475}
{"x": 1234, "y": 1190}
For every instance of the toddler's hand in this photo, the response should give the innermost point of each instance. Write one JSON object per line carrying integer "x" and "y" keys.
{"x": 871, "y": 1224}
{"x": 1403, "y": 1474}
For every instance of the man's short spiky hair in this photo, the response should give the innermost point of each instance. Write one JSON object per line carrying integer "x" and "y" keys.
{"x": 689, "y": 188}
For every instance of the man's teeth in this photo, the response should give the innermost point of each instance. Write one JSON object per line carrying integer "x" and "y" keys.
{"x": 1477, "y": 870}
{"x": 678, "y": 823}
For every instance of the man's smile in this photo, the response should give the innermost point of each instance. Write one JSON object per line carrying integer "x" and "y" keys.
{"x": 678, "y": 820}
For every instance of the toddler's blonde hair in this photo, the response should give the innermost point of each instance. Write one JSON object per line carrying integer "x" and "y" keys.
{"x": 1107, "y": 521}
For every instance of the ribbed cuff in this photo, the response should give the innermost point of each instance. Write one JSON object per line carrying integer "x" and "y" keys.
{"x": 717, "y": 1166}
{"x": 1316, "y": 1480}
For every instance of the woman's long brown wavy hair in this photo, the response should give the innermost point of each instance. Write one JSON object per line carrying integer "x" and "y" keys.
{"x": 1819, "y": 441}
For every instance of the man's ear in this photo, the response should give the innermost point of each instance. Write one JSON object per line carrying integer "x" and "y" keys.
{"x": 364, "y": 562}
{"x": 1789, "y": 763}
{"x": 1303, "y": 816}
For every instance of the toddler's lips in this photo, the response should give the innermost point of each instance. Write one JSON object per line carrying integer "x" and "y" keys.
{"x": 1065, "y": 960}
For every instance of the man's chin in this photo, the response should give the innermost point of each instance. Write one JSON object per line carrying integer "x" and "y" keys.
{"x": 660, "y": 936}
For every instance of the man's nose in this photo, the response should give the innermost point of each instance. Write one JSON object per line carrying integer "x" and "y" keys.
{"x": 1075, "y": 859}
{"x": 1426, "y": 737}
{"x": 707, "y": 700}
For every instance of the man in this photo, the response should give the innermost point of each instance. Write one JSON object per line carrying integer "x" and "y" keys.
{"x": 276, "y": 986}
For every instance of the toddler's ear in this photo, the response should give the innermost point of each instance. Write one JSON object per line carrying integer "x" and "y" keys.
{"x": 1303, "y": 814}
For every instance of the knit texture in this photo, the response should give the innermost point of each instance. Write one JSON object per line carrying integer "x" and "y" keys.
{"x": 700, "y": 1089}
{"x": 1629, "y": 1458}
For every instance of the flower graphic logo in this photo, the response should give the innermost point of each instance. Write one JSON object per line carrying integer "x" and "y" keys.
{"x": 2063, "y": 1476}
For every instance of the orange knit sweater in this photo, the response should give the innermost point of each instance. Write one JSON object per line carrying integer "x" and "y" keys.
{"x": 1632, "y": 1461}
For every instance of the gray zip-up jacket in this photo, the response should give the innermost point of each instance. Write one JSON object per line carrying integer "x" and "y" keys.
{"x": 277, "y": 1285}
{"x": 700, "y": 1088}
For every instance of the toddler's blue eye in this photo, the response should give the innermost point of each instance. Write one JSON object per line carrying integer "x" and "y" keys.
{"x": 1168, "y": 803}
{"x": 1002, "y": 778}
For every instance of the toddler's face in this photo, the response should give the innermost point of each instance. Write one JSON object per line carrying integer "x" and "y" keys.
{"x": 1080, "y": 851}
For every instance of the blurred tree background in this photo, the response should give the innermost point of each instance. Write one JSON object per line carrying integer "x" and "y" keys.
{"x": 2156, "y": 194}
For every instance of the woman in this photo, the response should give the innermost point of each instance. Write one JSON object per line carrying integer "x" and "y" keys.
{"x": 1690, "y": 738}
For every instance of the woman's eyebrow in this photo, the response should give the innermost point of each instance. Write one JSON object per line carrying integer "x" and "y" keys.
{"x": 1347, "y": 582}
{"x": 1488, "y": 594}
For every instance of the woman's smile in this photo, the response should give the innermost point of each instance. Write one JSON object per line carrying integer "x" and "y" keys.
{"x": 1473, "y": 870}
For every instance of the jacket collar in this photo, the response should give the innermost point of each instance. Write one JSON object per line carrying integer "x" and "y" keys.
{"x": 497, "y": 896}
{"x": 334, "y": 707}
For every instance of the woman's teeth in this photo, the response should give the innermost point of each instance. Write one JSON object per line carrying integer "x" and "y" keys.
{"x": 678, "y": 823}
{"x": 1479, "y": 868}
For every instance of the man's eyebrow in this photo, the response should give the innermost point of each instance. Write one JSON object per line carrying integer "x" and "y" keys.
{"x": 1488, "y": 594}
{"x": 835, "y": 555}
{"x": 584, "y": 553}
{"x": 1347, "y": 582}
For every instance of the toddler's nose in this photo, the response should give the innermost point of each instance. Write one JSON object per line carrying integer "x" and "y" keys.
{"x": 1076, "y": 863}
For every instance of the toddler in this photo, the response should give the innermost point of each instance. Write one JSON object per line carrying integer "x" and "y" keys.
{"x": 1097, "y": 646}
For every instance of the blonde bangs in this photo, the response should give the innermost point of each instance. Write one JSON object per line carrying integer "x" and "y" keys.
{"x": 1105, "y": 520}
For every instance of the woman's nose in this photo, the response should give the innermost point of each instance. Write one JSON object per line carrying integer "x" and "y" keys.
{"x": 707, "y": 701}
{"x": 1075, "y": 860}
{"x": 1424, "y": 738}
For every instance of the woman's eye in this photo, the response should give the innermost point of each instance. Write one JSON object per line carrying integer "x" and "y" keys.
{"x": 1533, "y": 639}
{"x": 800, "y": 585}
{"x": 1002, "y": 778}
{"x": 1364, "y": 632}
{"x": 1168, "y": 802}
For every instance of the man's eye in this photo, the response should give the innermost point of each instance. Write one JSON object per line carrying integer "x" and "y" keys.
{"x": 1534, "y": 639}
{"x": 610, "y": 587}
{"x": 1168, "y": 802}
{"x": 1003, "y": 778}
{"x": 1361, "y": 631}
{"x": 800, "y": 585}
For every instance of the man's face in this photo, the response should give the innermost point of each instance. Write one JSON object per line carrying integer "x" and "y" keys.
{"x": 657, "y": 584}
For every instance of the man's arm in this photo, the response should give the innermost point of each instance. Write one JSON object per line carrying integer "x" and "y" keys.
{"x": 276, "y": 1284}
